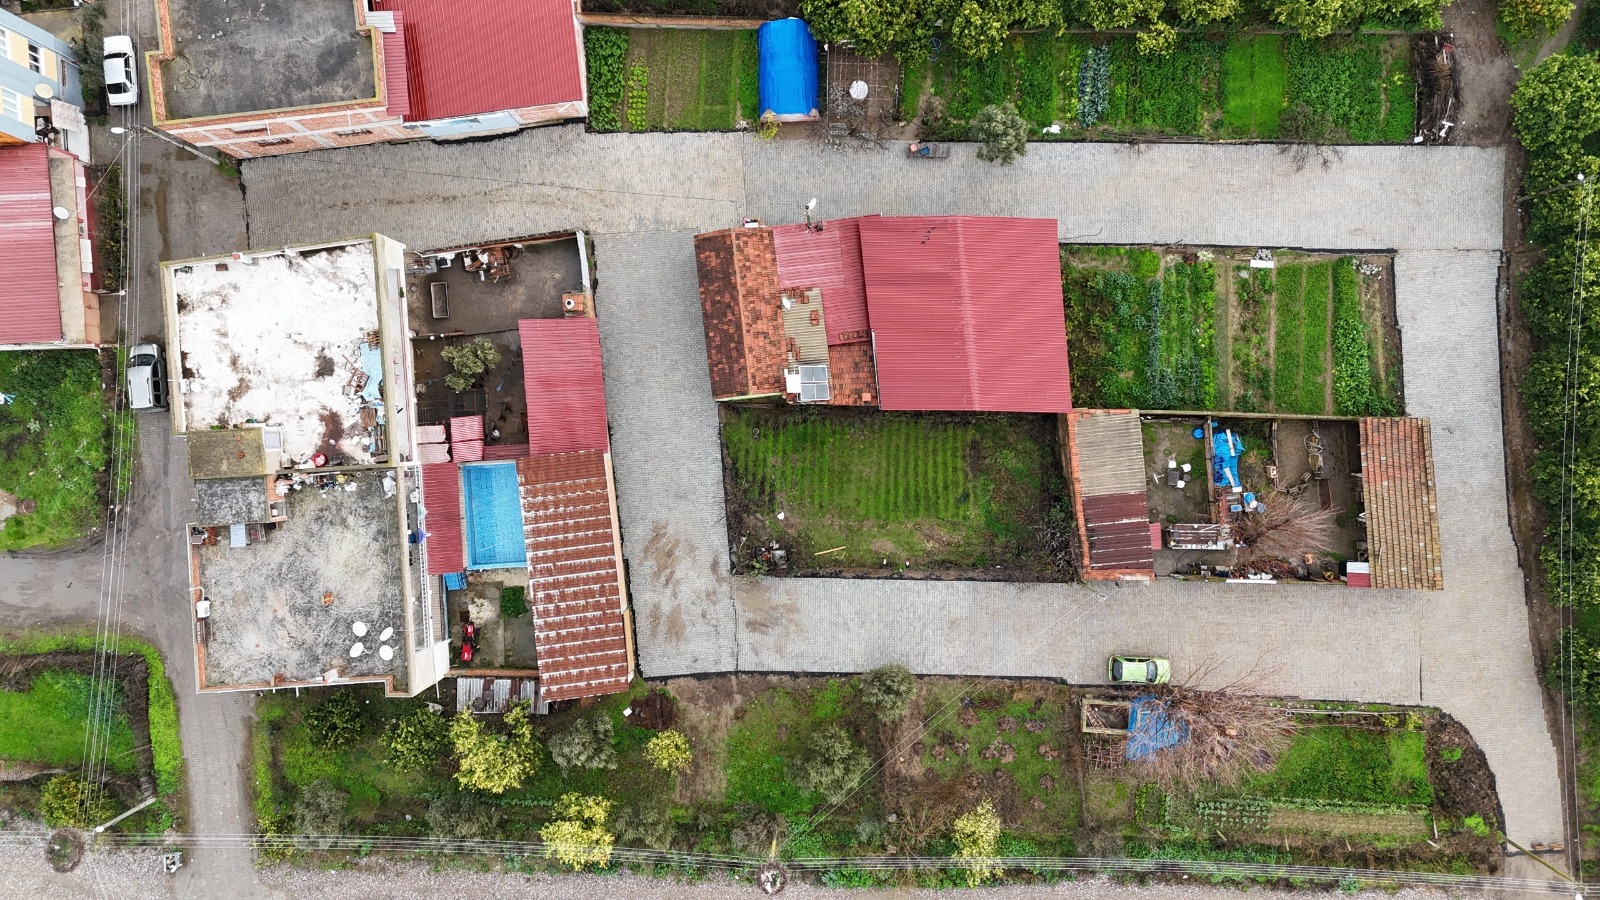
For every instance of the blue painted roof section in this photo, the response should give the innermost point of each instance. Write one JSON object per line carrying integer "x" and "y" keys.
{"x": 492, "y": 504}
{"x": 1151, "y": 730}
{"x": 788, "y": 70}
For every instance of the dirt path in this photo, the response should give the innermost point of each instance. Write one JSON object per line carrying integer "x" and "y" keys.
{"x": 1485, "y": 72}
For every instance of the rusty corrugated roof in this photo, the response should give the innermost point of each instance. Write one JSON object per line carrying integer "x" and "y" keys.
{"x": 1118, "y": 530}
{"x": 563, "y": 384}
{"x": 441, "y": 497}
{"x": 966, "y": 313}
{"x": 1402, "y": 508}
{"x": 738, "y": 276}
{"x": 1106, "y": 459}
{"x": 396, "y": 83}
{"x": 574, "y": 575}
{"x": 829, "y": 260}
{"x": 489, "y": 55}
{"x": 30, "y": 302}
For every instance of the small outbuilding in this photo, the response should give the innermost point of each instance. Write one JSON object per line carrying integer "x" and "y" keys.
{"x": 787, "y": 79}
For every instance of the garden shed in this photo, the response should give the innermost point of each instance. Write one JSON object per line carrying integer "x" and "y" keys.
{"x": 1105, "y": 460}
{"x": 787, "y": 55}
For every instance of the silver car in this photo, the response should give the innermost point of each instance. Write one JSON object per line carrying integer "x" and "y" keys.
{"x": 147, "y": 378}
{"x": 122, "y": 72}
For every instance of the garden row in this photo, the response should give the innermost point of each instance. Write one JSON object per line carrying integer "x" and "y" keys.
{"x": 667, "y": 79}
{"x": 1356, "y": 89}
{"x": 753, "y": 765}
{"x": 840, "y": 490}
{"x": 1205, "y": 331}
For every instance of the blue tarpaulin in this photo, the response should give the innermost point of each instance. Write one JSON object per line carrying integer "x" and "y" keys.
{"x": 455, "y": 581}
{"x": 1150, "y": 729}
{"x": 788, "y": 70}
{"x": 1225, "y": 449}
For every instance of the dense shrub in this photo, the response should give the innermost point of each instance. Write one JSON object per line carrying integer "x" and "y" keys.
{"x": 585, "y": 744}
{"x": 832, "y": 763}
{"x": 669, "y": 752}
{"x": 416, "y": 740}
{"x": 977, "y": 838}
{"x": 887, "y": 691}
{"x": 495, "y": 762}
{"x": 1528, "y": 17}
{"x": 513, "y": 601}
{"x": 462, "y": 816}
{"x": 62, "y": 802}
{"x": 578, "y": 835}
{"x": 320, "y": 812}
{"x": 338, "y": 721}
{"x": 648, "y": 826}
{"x": 1003, "y": 131}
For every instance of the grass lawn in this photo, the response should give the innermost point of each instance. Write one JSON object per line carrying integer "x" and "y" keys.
{"x": 923, "y": 490}
{"x": 1350, "y": 765}
{"x": 49, "y": 724}
{"x": 1254, "y": 80}
{"x": 693, "y": 79}
{"x": 54, "y": 445}
{"x": 1356, "y": 89}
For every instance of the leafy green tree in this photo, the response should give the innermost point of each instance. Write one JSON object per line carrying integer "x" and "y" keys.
{"x": 338, "y": 721}
{"x": 578, "y": 835}
{"x": 1557, "y": 103}
{"x": 831, "y": 764}
{"x": 1205, "y": 12}
{"x": 669, "y": 752}
{"x": 1527, "y": 17}
{"x": 468, "y": 362}
{"x": 1157, "y": 40}
{"x": 887, "y": 691}
{"x": 977, "y": 840}
{"x": 1103, "y": 15}
{"x": 585, "y": 744}
{"x": 463, "y": 817}
{"x": 1003, "y": 131}
{"x": 646, "y": 825}
{"x": 62, "y": 802}
{"x": 416, "y": 740}
{"x": 495, "y": 762}
{"x": 872, "y": 25}
{"x": 320, "y": 812}
{"x": 979, "y": 29}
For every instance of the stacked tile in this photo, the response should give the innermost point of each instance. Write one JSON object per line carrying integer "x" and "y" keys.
{"x": 1402, "y": 506}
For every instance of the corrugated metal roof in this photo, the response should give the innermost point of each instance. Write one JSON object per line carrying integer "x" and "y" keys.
{"x": 466, "y": 428}
{"x": 830, "y": 260}
{"x": 966, "y": 313}
{"x": 494, "y": 694}
{"x": 397, "y": 87}
{"x": 433, "y": 453}
{"x": 1117, "y": 527}
{"x": 1402, "y": 507}
{"x": 430, "y": 434}
{"x": 574, "y": 581}
{"x": 805, "y": 327}
{"x": 467, "y": 451}
{"x": 488, "y": 56}
{"x": 1109, "y": 446}
{"x": 30, "y": 304}
{"x": 565, "y": 390}
{"x": 504, "y": 451}
{"x": 441, "y": 497}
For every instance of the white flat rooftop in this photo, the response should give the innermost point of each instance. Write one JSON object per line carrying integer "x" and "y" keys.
{"x": 287, "y": 339}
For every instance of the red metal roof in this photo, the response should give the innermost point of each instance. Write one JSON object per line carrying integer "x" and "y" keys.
{"x": 30, "y": 303}
{"x": 562, "y": 381}
{"x": 489, "y": 55}
{"x": 397, "y": 89}
{"x": 441, "y": 497}
{"x": 467, "y": 451}
{"x": 829, "y": 259}
{"x": 466, "y": 428}
{"x": 966, "y": 313}
{"x": 574, "y": 577}
{"x": 504, "y": 451}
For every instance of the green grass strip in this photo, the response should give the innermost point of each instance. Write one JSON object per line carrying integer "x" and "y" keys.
{"x": 1314, "y": 334}
{"x": 1254, "y": 80}
{"x": 1289, "y": 308}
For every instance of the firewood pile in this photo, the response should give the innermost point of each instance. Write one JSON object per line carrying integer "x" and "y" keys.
{"x": 1438, "y": 91}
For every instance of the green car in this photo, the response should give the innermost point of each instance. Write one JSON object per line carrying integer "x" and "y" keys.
{"x": 1139, "y": 670}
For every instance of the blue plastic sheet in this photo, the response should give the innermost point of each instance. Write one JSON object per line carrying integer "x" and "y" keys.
{"x": 1150, "y": 729}
{"x": 788, "y": 70}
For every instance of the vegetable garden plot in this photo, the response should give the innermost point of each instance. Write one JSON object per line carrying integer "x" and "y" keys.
{"x": 1308, "y": 337}
{"x": 643, "y": 79}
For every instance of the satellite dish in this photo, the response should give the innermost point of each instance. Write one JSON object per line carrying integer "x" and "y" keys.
{"x": 812, "y": 205}
{"x": 387, "y": 652}
{"x": 357, "y": 649}
{"x": 44, "y": 91}
{"x": 62, "y": 213}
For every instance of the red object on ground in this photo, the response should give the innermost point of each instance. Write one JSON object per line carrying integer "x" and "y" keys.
{"x": 30, "y": 302}
{"x": 561, "y": 378}
{"x": 489, "y": 55}
{"x": 966, "y": 313}
{"x": 319, "y": 460}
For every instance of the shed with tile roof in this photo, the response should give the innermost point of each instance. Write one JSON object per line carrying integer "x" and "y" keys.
{"x": 740, "y": 302}
{"x": 1402, "y": 508}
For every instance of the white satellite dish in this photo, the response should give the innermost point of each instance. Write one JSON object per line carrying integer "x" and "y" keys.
{"x": 357, "y": 649}
{"x": 62, "y": 213}
{"x": 360, "y": 628}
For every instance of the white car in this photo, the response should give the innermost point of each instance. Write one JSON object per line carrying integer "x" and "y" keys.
{"x": 122, "y": 72}
{"x": 147, "y": 378}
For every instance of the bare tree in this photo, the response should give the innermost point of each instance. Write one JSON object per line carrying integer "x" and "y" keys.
{"x": 1229, "y": 730}
{"x": 1289, "y": 528}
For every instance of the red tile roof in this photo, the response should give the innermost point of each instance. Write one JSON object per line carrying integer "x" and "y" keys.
{"x": 489, "y": 55}
{"x": 397, "y": 87}
{"x": 561, "y": 378}
{"x": 441, "y": 497}
{"x": 966, "y": 313}
{"x": 30, "y": 302}
{"x": 574, "y": 575}
{"x": 829, "y": 259}
{"x": 738, "y": 273}
{"x": 1402, "y": 507}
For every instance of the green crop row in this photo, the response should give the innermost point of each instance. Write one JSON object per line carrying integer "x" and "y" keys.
{"x": 604, "y": 50}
